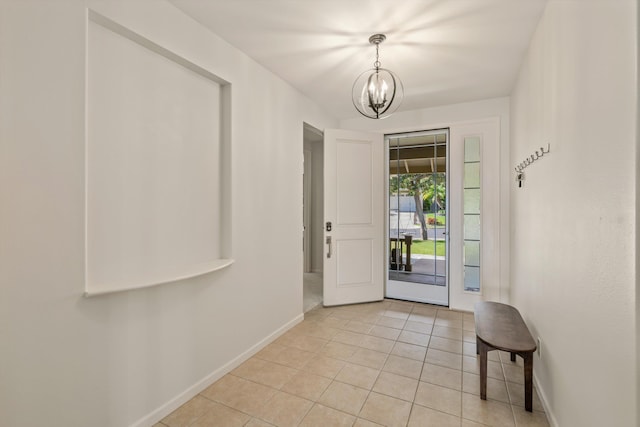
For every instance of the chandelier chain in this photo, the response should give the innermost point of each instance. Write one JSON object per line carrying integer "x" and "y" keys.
{"x": 377, "y": 63}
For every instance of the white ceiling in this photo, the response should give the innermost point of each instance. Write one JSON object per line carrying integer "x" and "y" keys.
{"x": 444, "y": 51}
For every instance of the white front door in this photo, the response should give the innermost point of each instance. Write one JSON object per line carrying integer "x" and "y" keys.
{"x": 418, "y": 216}
{"x": 354, "y": 194}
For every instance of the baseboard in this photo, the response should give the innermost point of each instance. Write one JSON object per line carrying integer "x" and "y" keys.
{"x": 164, "y": 410}
{"x": 545, "y": 405}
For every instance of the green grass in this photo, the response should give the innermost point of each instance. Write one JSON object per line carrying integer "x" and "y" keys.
{"x": 427, "y": 247}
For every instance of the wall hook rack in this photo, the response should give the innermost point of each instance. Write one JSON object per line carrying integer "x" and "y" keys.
{"x": 529, "y": 161}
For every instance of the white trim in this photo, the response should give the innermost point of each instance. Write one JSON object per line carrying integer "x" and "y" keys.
{"x": 545, "y": 405}
{"x": 307, "y": 173}
{"x": 490, "y": 286}
{"x": 395, "y": 290}
{"x": 199, "y": 270}
{"x": 161, "y": 412}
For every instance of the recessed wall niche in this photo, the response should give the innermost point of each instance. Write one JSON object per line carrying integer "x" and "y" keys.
{"x": 157, "y": 163}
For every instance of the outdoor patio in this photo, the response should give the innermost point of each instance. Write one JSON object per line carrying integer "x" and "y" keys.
{"x": 424, "y": 269}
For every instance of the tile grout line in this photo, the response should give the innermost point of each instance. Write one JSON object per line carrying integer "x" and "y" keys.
{"x": 504, "y": 374}
{"x": 413, "y": 402}
{"x": 306, "y": 413}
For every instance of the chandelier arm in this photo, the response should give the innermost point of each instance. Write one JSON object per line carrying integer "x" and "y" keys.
{"x": 372, "y": 103}
{"x": 393, "y": 95}
{"x": 369, "y": 96}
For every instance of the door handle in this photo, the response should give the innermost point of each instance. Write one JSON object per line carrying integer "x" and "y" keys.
{"x": 329, "y": 249}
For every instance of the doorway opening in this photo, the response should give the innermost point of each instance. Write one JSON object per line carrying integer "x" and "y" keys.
{"x": 418, "y": 217}
{"x": 312, "y": 213}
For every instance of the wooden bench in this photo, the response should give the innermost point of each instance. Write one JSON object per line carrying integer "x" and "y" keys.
{"x": 500, "y": 327}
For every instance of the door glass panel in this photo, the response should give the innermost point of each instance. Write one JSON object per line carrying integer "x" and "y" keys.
{"x": 418, "y": 209}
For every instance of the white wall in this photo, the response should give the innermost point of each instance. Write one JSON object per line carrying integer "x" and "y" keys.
{"x": 572, "y": 258}
{"x": 456, "y": 117}
{"x": 115, "y": 359}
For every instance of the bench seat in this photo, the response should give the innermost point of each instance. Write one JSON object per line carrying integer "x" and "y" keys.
{"x": 501, "y": 327}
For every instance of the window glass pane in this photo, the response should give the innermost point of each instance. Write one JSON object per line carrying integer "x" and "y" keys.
{"x": 471, "y": 201}
{"x": 472, "y": 278}
{"x": 472, "y": 149}
{"x": 472, "y": 227}
{"x": 472, "y": 175}
{"x": 472, "y": 253}
{"x": 471, "y": 208}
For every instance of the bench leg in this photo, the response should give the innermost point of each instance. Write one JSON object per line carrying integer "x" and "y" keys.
{"x": 528, "y": 381}
{"x": 513, "y": 357}
{"x": 483, "y": 348}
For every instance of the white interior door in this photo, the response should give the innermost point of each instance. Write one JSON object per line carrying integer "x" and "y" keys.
{"x": 354, "y": 217}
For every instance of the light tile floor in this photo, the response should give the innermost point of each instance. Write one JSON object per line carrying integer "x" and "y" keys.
{"x": 389, "y": 363}
{"x": 311, "y": 291}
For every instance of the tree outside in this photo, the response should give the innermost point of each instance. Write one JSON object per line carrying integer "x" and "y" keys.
{"x": 428, "y": 191}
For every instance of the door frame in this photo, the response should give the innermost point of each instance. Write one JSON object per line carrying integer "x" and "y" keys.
{"x": 492, "y": 249}
{"x": 306, "y": 208}
{"x": 497, "y": 188}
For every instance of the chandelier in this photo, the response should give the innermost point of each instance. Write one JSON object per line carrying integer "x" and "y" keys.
{"x": 377, "y": 92}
